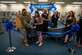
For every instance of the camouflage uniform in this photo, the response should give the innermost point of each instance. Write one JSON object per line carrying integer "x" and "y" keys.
{"x": 25, "y": 21}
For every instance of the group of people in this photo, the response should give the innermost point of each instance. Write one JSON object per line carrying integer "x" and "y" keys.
{"x": 25, "y": 19}
{"x": 41, "y": 23}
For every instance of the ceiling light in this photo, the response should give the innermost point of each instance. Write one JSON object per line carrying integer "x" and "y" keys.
{"x": 16, "y": 4}
{"x": 77, "y": 2}
{"x": 8, "y": 1}
{"x": 2, "y": 4}
{"x": 27, "y": 2}
{"x": 73, "y": 5}
{"x": 42, "y": 0}
{"x": 60, "y": 2}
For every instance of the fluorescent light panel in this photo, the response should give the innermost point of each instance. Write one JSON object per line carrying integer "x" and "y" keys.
{"x": 27, "y": 2}
{"x": 2, "y": 4}
{"x": 73, "y": 5}
{"x": 42, "y": 0}
{"x": 8, "y": 1}
{"x": 77, "y": 2}
{"x": 16, "y": 4}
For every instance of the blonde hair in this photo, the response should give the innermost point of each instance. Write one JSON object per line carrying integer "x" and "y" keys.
{"x": 44, "y": 10}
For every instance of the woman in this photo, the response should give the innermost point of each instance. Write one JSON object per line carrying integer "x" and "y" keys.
{"x": 38, "y": 23}
{"x": 79, "y": 33}
{"x": 54, "y": 20}
{"x": 45, "y": 17}
{"x": 17, "y": 20}
{"x": 57, "y": 15}
{"x": 70, "y": 20}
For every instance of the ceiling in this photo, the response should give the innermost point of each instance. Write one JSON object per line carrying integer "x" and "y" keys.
{"x": 49, "y": 1}
{"x": 36, "y": 0}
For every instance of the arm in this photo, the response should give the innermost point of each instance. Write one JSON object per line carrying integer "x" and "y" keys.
{"x": 44, "y": 18}
{"x": 52, "y": 18}
{"x": 74, "y": 20}
{"x": 49, "y": 17}
{"x": 39, "y": 22}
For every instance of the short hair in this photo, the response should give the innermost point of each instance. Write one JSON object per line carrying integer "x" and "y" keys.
{"x": 23, "y": 9}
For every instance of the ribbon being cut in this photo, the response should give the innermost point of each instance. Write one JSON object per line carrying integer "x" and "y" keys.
{"x": 74, "y": 27}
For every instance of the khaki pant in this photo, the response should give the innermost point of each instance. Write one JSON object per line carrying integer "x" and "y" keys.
{"x": 24, "y": 32}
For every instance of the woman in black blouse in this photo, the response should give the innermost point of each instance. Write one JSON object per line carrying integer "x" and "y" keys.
{"x": 70, "y": 20}
{"x": 54, "y": 19}
{"x": 45, "y": 17}
{"x": 38, "y": 21}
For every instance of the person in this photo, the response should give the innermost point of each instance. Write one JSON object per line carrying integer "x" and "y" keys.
{"x": 79, "y": 33}
{"x": 70, "y": 20}
{"x": 54, "y": 20}
{"x": 25, "y": 26}
{"x": 0, "y": 27}
{"x": 38, "y": 21}
{"x": 49, "y": 17}
{"x": 49, "y": 13}
{"x": 17, "y": 20}
{"x": 57, "y": 15}
{"x": 45, "y": 17}
{"x": 65, "y": 16}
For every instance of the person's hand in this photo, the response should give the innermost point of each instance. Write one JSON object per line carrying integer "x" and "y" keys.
{"x": 68, "y": 25}
{"x": 35, "y": 24}
{"x": 44, "y": 19}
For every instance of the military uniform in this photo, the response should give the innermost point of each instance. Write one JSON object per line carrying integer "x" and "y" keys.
{"x": 25, "y": 21}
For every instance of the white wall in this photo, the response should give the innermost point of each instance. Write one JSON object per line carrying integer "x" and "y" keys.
{"x": 62, "y": 9}
{"x": 13, "y": 7}
{"x": 76, "y": 8}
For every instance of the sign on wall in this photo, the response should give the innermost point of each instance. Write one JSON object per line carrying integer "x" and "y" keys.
{"x": 42, "y": 6}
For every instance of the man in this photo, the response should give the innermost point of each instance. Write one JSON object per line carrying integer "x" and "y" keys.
{"x": 25, "y": 21}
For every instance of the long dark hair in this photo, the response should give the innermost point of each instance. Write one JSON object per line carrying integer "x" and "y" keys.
{"x": 37, "y": 16}
{"x": 73, "y": 15}
{"x": 37, "y": 13}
